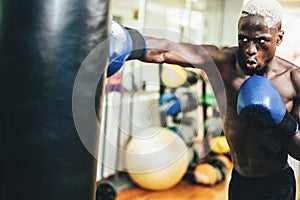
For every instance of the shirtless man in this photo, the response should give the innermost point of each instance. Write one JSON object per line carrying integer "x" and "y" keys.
{"x": 259, "y": 148}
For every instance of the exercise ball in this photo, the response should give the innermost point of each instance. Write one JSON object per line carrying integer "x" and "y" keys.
{"x": 205, "y": 174}
{"x": 173, "y": 76}
{"x": 156, "y": 158}
{"x": 209, "y": 99}
{"x": 219, "y": 145}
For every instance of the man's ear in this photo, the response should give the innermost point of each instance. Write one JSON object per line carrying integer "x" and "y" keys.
{"x": 279, "y": 37}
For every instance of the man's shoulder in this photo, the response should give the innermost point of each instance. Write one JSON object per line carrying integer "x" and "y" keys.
{"x": 230, "y": 54}
{"x": 285, "y": 63}
{"x": 230, "y": 51}
{"x": 231, "y": 48}
{"x": 292, "y": 69}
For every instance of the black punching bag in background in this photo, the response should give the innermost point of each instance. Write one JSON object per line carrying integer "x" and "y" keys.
{"x": 43, "y": 44}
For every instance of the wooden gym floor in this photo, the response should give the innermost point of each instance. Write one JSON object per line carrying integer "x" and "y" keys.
{"x": 182, "y": 191}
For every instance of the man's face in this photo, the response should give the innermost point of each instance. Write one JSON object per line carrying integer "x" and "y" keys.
{"x": 257, "y": 37}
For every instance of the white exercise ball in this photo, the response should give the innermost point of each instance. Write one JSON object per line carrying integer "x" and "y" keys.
{"x": 156, "y": 158}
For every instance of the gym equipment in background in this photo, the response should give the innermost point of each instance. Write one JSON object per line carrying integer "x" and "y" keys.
{"x": 109, "y": 188}
{"x": 156, "y": 158}
{"x": 173, "y": 76}
{"x": 211, "y": 171}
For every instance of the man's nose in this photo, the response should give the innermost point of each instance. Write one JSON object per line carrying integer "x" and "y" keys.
{"x": 251, "y": 48}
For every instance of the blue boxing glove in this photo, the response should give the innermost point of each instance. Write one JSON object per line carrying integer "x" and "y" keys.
{"x": 125, "y": 44}
{"x": 170, "y": 103}
{"x": 259, "y": 98}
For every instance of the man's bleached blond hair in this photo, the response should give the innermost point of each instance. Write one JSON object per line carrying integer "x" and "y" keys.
{"x": 265, "y": 8}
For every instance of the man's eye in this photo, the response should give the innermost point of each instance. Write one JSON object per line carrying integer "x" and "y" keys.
{"x": 262, "y": 41}
{"x": 244, "y": 39}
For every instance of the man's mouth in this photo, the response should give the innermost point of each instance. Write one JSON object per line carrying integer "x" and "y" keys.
{"x": 251, "y": 63}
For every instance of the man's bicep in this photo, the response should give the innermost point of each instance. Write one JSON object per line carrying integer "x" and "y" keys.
{"x": 162, "y": 50}
{"x": 295, "y": 76}
{"x": 296, "y": 110}
{"x": 293, "y": 145}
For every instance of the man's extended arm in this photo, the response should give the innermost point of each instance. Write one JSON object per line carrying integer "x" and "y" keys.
{"x": 183, "y": 54}
{"x": 125, "y": 46}
{"x": 128, "y": 44}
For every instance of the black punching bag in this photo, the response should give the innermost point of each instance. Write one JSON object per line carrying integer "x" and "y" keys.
{"x": 43, "y": 45}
